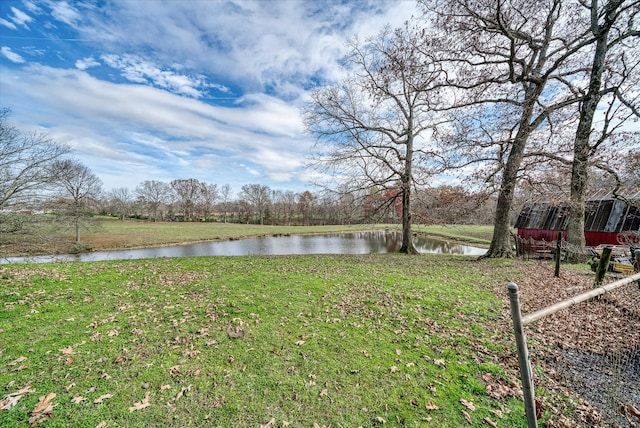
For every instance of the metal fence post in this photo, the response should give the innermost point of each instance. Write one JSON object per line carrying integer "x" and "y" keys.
{"x": 523, "y": 357}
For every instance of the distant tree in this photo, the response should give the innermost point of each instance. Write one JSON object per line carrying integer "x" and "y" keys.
{"x": 153, "y": 194}
{"x": 372, "y": 128}
{"x": 207, "y": 199}
{"x": 78, "y": 188}
{"x": 225, "y": 200}
{"x": 305, "y": 207}
{"x": 25, "y": 163}
{"x": 121, "y": 200}
{"x": 258, "y": 197}
{"x": 187, "y": 192}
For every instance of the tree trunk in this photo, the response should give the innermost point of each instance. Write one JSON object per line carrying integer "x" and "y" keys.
{"x": 407, "y": 237}
{"x": 581, "y": 145}
{"x": 501, "y": 242}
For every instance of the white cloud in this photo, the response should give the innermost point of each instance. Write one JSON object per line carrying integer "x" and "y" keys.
{"x": 84, "y": 63}
{"x": 64, "y": 12}
{"x": 11, "y": 55}
{"x": 117, "y": 126}
{"x": 8, "y": 24}
{"x": 20, "y": 18}
{"x": 136, "y": 69}
{"x": 258, "y": 45}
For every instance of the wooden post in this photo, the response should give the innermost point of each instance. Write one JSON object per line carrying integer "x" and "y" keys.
{"x": 523, "y": 357}
{"x": 603, "y": 265}
{"x": 558, "y": 255}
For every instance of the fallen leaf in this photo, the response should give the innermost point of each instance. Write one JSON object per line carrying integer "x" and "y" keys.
{"x": 467, "y": 417}
{"x": 67, "y": 351}
{"x": 70, "y": 386}
{"x": 300, "y": 342}
{"x": 43, "y": 410}
{"x": 17, "y": 361}
{"x": 100, "y": 399}
{"x": 393, "y": 369}
{"x": 141, "y": 404}
{"x": 468, "y": 404}
{"x": 439, "y": 363}
{"x": 163, "y": 387}
{"x": 269, "y": 424}
{"x": 398, "y": 352}
{"x": 381, "y": 420}
{"x": 78, "y": 399}
{"x": 182, "y": 391}
{"x": 324, "y": 393}
{"x": 9, "y": 401}
{"x": 431, "y": 406}
{"x": 102, "y": 424}
{"x": 490, "y": 422}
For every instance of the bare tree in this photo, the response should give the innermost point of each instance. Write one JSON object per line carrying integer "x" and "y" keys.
{"x": 614, "y": 74}
{"x": 258, "y": 197}
{"x": 121, "y": 199}
{"x": 207, "y": 199}
{"x": 153, "y": 194}
{"x": 371, "y": 129}
{"x": 187, "y": 192}
{"x": 78, "y": 188}
{"x": 515, "y": 65}
{"x": 225, "y": 200}
{"x": 25, "y": 161}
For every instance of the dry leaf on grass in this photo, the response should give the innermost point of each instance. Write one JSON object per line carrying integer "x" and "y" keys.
{"x": 78, "y": 399}
{"x": 468, "y": 404}
{"x": 431, "y": 406}
{"x": 101, "y": 399}
{"x": 141, "y": 404}
{"x": 490, "y": 422}
{"x": 467, "y": 417}
{"x": 67, "y": 351}
{"x": 43, "y": 410}
{"x": 17, "y": 361}
{"x": 102, "y": 424}
{"x": 269, "y": 424}
{"x": 10, "y": 400}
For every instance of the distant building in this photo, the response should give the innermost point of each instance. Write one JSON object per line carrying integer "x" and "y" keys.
{"x": 607, "y": 220}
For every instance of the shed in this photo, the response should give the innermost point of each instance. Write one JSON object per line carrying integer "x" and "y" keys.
{"x": 604, "y": 221}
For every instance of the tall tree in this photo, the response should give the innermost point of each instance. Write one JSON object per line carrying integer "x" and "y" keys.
{"x": 25, "y": 163}
{"x": 614, "y": 28}
{"x": 371, "y": 129}
{"x": 514, "y": 62}
{"x": 79, "y": 186}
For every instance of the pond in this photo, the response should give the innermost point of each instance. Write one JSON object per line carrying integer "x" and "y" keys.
{"x": 338, "y": 243}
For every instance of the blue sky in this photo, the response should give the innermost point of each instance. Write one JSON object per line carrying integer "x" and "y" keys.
{"x": 160, "y": 90}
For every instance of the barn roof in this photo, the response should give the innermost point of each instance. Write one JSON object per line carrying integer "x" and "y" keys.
{"x": 601, "y": 215}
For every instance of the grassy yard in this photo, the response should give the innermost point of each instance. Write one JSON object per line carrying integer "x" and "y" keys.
{"x": 340, "y": 341}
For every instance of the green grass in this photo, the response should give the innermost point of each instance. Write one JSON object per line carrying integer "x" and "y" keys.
{"x": 335, "y": 341}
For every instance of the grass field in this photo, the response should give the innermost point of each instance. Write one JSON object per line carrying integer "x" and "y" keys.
{"x": 340, "y": 341}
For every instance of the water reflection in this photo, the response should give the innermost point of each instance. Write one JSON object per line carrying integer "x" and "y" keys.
{"x": 339, "y": 243}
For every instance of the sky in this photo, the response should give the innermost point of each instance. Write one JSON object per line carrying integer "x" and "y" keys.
{"x": 163, "y": 90}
